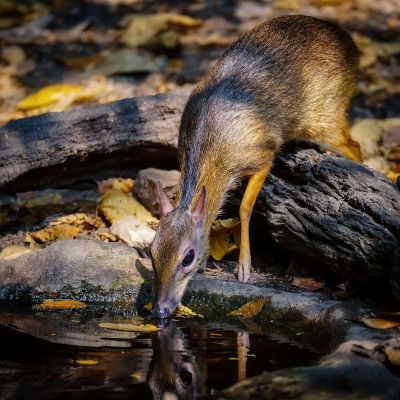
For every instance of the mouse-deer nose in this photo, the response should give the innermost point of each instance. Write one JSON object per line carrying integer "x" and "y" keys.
{"x": 160, "y": 311}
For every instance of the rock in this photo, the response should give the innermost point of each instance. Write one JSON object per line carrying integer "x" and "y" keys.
{"x": 145, "y": 187}
{"x": 80, "y": 269}
{"x": 133, "y": 232}
{"x": 347, "y": 378}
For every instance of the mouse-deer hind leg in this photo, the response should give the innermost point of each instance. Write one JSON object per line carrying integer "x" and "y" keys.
{"x": 253, "y": 189}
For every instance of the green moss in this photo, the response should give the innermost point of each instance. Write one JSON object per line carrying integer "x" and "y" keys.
{"x": 288, "y": 323}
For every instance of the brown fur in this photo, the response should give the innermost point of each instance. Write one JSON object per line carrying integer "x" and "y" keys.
{"x": 291, "y": 77}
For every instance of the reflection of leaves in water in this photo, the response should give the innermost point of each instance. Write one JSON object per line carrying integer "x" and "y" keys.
{"x": 146, "y": 328}
{"x": 87, "y": 362}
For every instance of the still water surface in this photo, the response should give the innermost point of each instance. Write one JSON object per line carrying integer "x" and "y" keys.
{"x": 184, "y": 359}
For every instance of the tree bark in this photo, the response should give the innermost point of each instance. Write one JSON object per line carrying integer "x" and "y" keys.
{"x": 340, "y": 215}
{"x": 48, "y": 148}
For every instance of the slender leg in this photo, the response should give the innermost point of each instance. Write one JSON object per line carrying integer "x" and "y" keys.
{"x": 246, "y": 207}
{"x": 243, "y": 346}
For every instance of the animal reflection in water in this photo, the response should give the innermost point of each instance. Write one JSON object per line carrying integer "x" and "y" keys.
{"x": 178, "y": 369}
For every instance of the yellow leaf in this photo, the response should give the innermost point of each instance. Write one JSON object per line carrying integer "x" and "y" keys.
{"x": 87, "y": 362}
{"x": 123, "y": 185}
{"x": 185, "y": 312}
{"x": 378, "y": 323}
{"x": 224, "y": 237}
{"x": 48, "y": 95}
{"x": 12, "y": 252}
{"x": 52, "y": 233}
{"x": 393, "y": 355}
{"x": 249, "y": 310}
{"x": 143, "y": 28}
{"x": 371, "y": 51}
{"x": 148, "y": 306}
{"x": 39, "y": 198}
{"x": 292, "y": 5}
{"x": 308, "y": 283}
{"x": 392, "y": 175}
{"x": 180, "y": 312}
{"x": 60, "y": 305}
{"x": 106, "y": 236}
{"x": 129, "y": 327}
{"x": 114, "y": 205}
{"x": 78, "y": 219}
{"x": 60, "y": 96}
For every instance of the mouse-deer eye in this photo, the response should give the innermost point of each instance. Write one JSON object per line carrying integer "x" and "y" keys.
{"x": 188, "y": 259}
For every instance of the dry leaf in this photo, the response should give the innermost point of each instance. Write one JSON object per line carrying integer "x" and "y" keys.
{"x": 87, "y": 221}
{"x": 106, "y": 236}
{"x": 124, "y": 185}
{"x": 308, "y": 283}
{"x": 148, "y": 328}
{"x": 180, "y": 312}
{"x": 87, "y": 362}
{"x": 292, "y": 5}
{"x": 224, "y": 237}
{"x": 133, "y": 232}
{"x": 114, "y": 205}
{"x": 50, "y": 94}
{"x": 60, "y": 305}
{"x": 128, "y": 61}
{"x": 59, "y": 97}
{"x": 185, "y": 312}
{"x": 14, "y": 251}
{"x": 52, "y": 233}
{"x": 13, "y": 54}
{"x": 371, "y": 51}
{"x": 144, "y": 28}
{"x": 393, "y": 355}
{"x": 39, "y": 198}
{"x": 249, "y": 310}
{"x": 378, "y": 323}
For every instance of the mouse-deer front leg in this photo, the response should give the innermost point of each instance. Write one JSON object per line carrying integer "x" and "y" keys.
{"x": 254, "y": 187}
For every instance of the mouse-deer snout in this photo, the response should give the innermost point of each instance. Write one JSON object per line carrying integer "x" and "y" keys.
{"x": 178, "y": 251}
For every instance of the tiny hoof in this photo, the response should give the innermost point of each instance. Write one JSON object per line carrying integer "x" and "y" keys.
{"x": 243, "y": 273}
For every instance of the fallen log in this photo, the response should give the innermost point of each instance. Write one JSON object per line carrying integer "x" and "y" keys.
{"x": 48, "y": 148}
{"x": 337, "y": 214}
{"x": 318, "y": 206}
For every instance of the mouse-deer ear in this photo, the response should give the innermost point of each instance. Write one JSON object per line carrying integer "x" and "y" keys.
{"x": 165, "y": 203}
{"x": 199, "y": 210}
